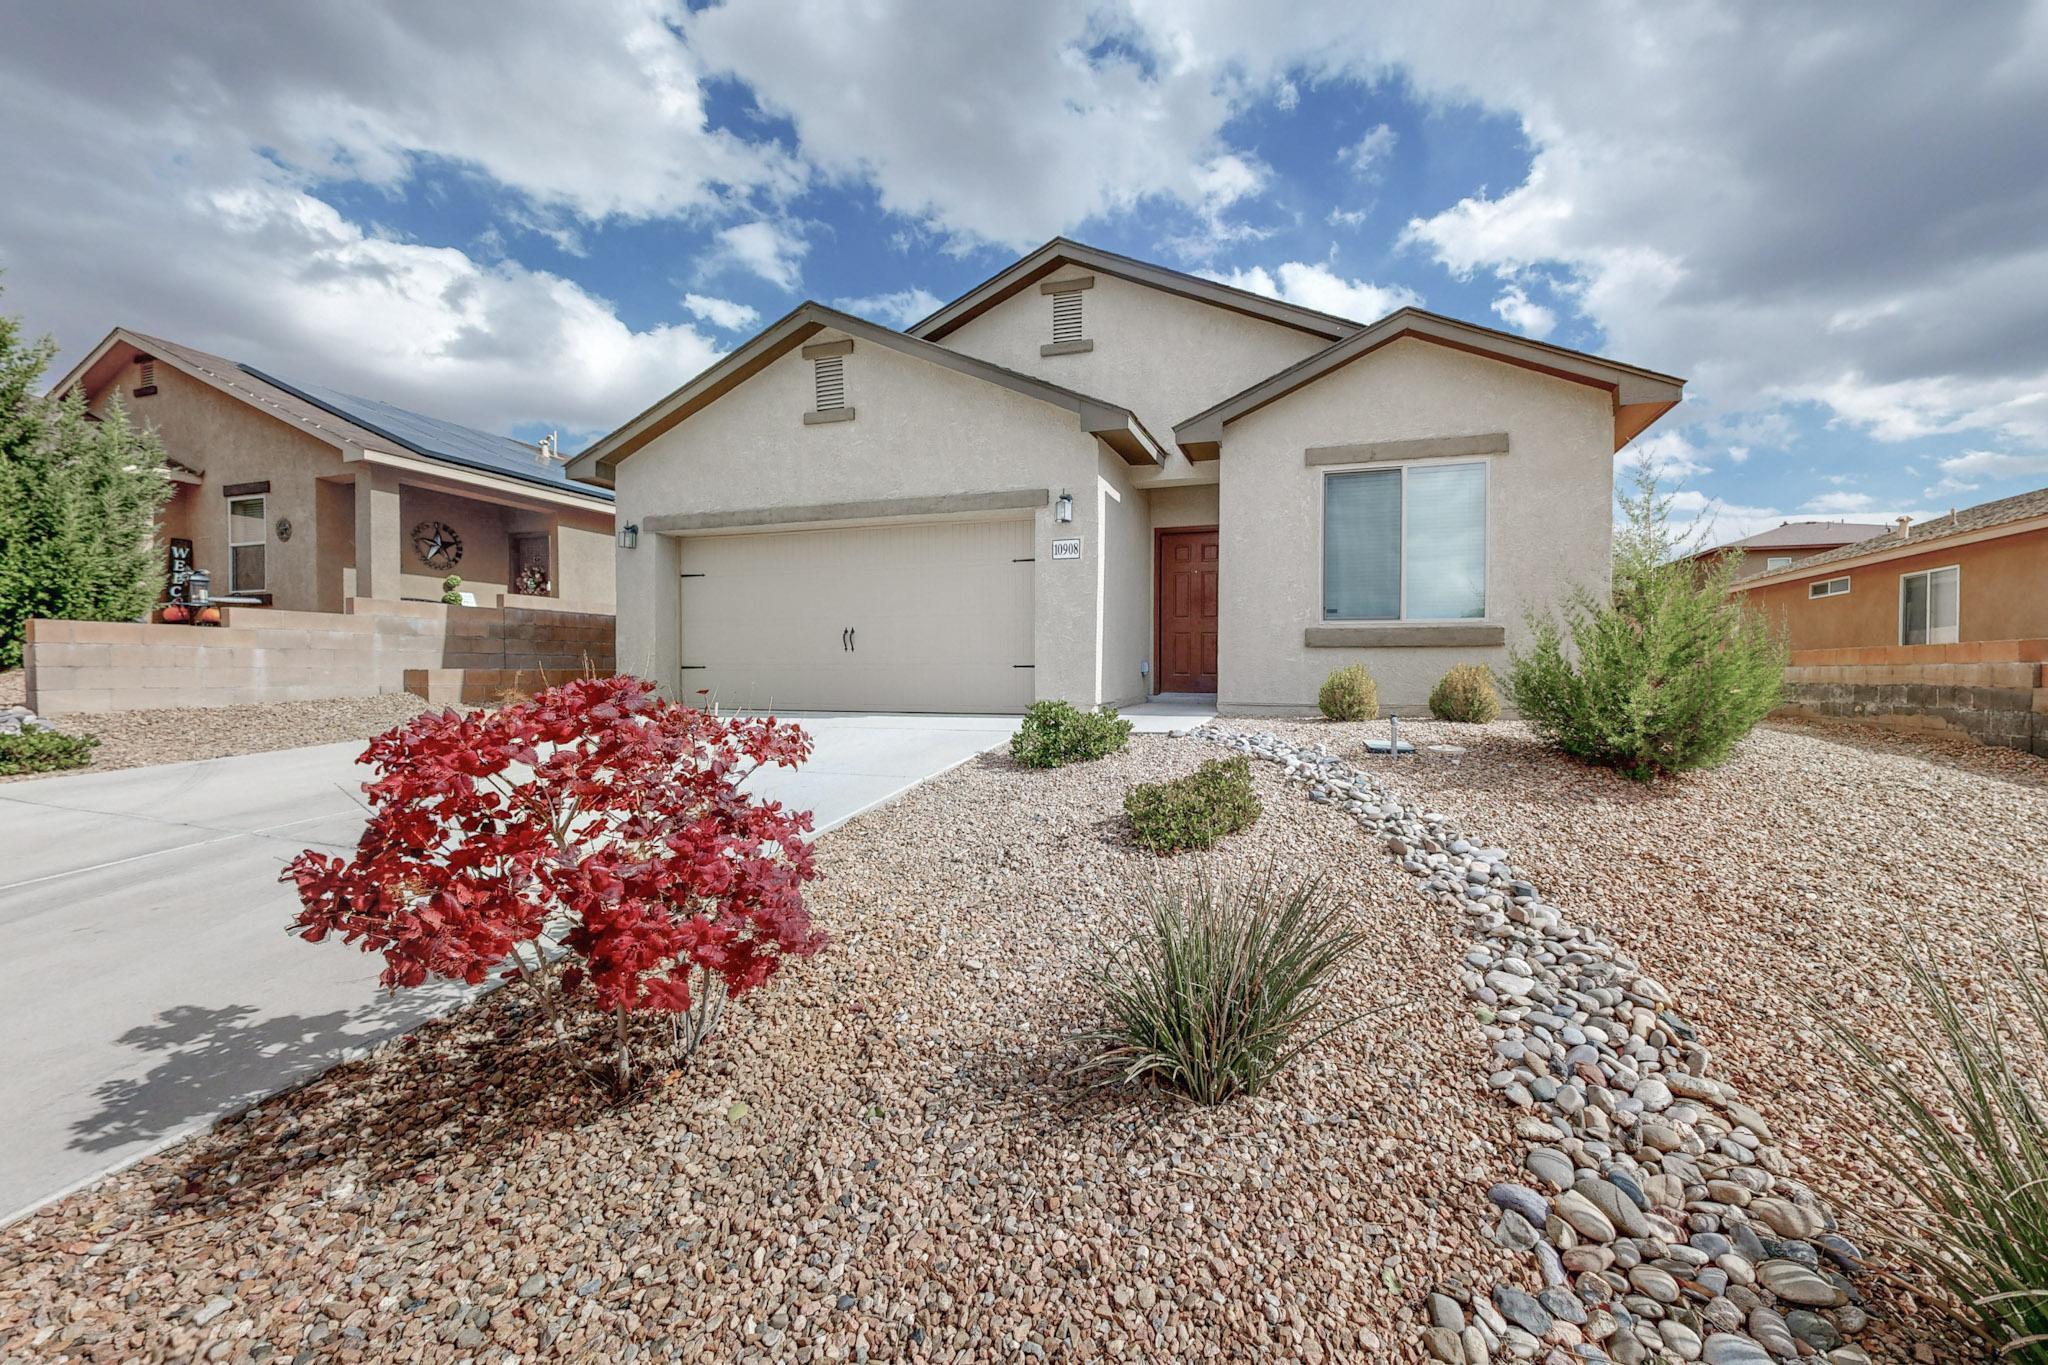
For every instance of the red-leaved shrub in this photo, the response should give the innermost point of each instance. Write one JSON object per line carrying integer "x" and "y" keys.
{"x": 592, "y": 841}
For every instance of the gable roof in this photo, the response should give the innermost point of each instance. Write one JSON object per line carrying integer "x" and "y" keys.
{"x": 1022, "y": 273}
{"x": 1640, "y": 396}
{"x": 1986, "y": 521}
{"x": 1115, "y": 425}
{"x": 334, "y": 417}
{"x": 1800, "y": 535}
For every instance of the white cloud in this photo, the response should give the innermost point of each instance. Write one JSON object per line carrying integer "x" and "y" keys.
{"x": 1969, "y": 471}
{"x": 1670, "y": 454}
{"x": 1738, "y": 454}
{"x": 1348, "y": 218}
{"x": 725, "y": 314}
{"x": 770, "y": 250}
{"x": 1319, "y": 287}
{"x": 1367, "y": 157}
{"x": 1523, "y": 313}
{"x": 899, "y": 309}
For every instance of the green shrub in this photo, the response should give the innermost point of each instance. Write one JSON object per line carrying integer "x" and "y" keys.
{"x": 1055, "y": 733}
{"x": 1664, "y": 674}
{"x": 451, "y": 590}
{"x": 1965, "y": 1129}
{"x": 44, "y": 751}
{"x": 1193, "y": 811}
{"x": 1214, "y": 996}
{"x": 1465, "y": 694}
{"x": 1350, "y": 694}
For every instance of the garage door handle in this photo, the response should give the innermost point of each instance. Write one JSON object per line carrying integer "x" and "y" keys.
{"x": 852, "y": 640}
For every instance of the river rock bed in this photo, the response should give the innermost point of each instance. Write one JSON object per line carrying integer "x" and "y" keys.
{"x": 1662, "y": 1221}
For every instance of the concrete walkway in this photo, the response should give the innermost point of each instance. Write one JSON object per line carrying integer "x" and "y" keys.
{"x": 151, "y": 985}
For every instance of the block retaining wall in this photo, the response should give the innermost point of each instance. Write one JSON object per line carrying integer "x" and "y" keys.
{"x": 259, "y": 655}
{"x": 1992, "y": 692}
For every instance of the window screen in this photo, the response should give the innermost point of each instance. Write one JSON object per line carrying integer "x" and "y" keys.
{"x": 1405, "y": 544}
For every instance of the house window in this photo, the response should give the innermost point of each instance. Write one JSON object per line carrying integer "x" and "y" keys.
{"x": 1777, "y": 562}
{"x": 828, "y": 374}
{"x": 1405, "y": 544}
{"x": 1930, "y": 604}
{"x": 1828, "y": 587}
{"x": 248, "y": 533}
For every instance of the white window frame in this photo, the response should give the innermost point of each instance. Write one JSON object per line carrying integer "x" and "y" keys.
{"x": 233, "y": 544}
{"x": 1928, "y": 574}
{"x": 1825, "y": 588}
{"x": 1773, "y": 563}
{"x": 1403, "y": 466}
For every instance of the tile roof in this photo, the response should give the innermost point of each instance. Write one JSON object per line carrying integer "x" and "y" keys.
{"x": 1984, "y": 516}
{"x": 1819, "y": 535}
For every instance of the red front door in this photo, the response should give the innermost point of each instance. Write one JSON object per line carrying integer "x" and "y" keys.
{"x": 1187, "y": 610}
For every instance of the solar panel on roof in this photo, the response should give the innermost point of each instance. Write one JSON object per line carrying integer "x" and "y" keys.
{"x": 437, "y": 439}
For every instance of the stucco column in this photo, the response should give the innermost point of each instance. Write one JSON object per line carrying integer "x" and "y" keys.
{"x": 380, "y": 543}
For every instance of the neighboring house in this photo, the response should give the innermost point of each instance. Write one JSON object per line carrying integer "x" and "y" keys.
{"x": 300, "y": 497}
{"x": 1096, "y": 479}
{"x": 1974, "y": 575}
{"x": 1787, "y": 543}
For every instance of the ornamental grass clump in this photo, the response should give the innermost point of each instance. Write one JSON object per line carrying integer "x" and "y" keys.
{"x": 593, "y": 843}
{"x": 1466, "y": 695}
{"x": 1194, "y": 811}
{"x": 1966, "y": 1131}
{"x": 1056, "y": 733}
{"x": 1349, "y": 693}
{"x": 1222, "y": 989}
{"x": 1664, "y": 673}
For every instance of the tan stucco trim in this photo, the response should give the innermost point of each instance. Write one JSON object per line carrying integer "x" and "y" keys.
{"x": 1069, "y": 285}
{"x": 1426, "y": 448}
{"x": 1904, "y": 549}
{"x": 818, "y": 350}
{"x": 1060, "y": 251}
{"x": 828, "y": 416}
{"x": 947, "y": 504}
{"x": 1639, "y": 396}
{"x": 1404, "y": 635}
{"x": 1066, "y": 348}
{"x": 595, "y": 464}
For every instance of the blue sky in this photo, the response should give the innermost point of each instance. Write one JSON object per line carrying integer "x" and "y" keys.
{"x": 1834, "y": 222}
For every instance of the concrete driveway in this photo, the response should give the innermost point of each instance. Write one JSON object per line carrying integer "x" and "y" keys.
{"x": 151, "y": 986}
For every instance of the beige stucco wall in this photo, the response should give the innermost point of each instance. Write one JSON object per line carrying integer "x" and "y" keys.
{"x": 1163, "y": 356}
{"x": 1549, "y": 517}
{"x": 920, "y": 431}
{"x": 1123, "y": 568}
{"x": 233, "y": 443}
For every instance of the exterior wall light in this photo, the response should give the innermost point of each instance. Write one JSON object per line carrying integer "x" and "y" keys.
{"x": 1063, "y": 510}
{"x": 629, "y": 535}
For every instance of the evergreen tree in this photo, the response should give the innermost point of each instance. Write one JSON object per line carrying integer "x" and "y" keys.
{"x": 78, "y": 503}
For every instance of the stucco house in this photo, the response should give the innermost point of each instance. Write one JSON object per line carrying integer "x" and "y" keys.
{"x": 1976, "y": 575}
{"x": 1785, "y": 544}
{"x": 1097, "y": 479}
{"x": 299, "y": 497}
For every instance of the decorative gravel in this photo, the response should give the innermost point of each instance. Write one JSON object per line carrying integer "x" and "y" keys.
{"x": 882, "y": 1156}
{"x": 135, "y": 739}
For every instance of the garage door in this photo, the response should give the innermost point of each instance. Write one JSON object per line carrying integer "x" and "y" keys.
{"x": 928, "y": 617}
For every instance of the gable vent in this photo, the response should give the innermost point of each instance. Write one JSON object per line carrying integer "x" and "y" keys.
{"x": 1066, "y": 316}
{"x": 829, "y": 374}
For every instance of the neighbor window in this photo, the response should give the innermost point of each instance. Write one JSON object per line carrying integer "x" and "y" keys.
{"x": 248, "y": 532}
{"x": 1405, "y": 544}
{"x": 1777, "y": 562}
{"x": 1929, "y": 606}
{"x": 1828, "y": 587}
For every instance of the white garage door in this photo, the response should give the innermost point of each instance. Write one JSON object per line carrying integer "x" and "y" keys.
{"x": 928, "y": 617}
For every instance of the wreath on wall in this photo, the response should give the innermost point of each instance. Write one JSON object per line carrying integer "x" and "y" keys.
{"x": 437, "y": 544}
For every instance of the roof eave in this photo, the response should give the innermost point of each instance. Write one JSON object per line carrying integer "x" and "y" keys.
{"x": 1903, "y": 549}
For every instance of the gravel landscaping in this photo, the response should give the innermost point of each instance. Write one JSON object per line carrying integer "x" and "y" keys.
{"x": 136, "y": 739}
{"x": 884, "y": 1155}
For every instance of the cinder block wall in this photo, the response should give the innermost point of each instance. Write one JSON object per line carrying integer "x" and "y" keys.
{"x": 1990, "y": 691}
{"x": 258, "y": 655}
